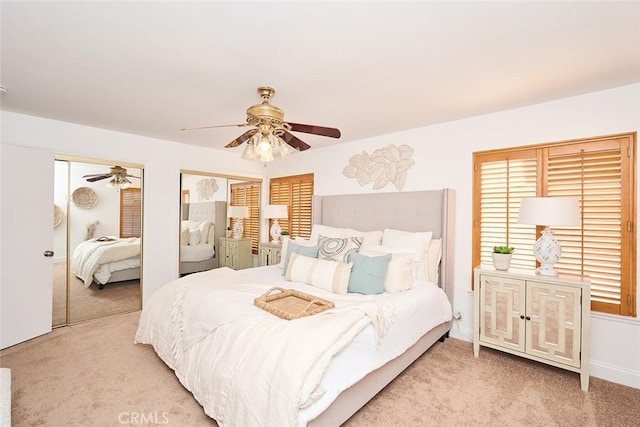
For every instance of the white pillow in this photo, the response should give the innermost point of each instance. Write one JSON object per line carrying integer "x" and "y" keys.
{"x": 184, "y": 236}
{"x": 434, "y": 255}
{"x": 331, "y": 276}
{"x": 400, "y": 273}
{"x": 285, "y": 244}
{"x": 194, "y": 237}
{"x": 370, "y": 238}
{"x": 204, "y": 230}
{"x": 325, "y": 230}
{"x": 419, "y": 242}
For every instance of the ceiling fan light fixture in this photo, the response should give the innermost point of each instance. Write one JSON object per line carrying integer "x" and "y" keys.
{"x": 285, "y": 150}
{"x": 249, "y": 152}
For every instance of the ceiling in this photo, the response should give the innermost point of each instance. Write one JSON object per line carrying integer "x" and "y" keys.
{"x": 367, "y": 68}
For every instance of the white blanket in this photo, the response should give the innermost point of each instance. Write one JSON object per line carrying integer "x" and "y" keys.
{"x": 90, "y": 255}
{"x": 246, "y": 366}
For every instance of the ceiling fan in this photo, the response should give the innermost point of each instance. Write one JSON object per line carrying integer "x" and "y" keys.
{"x": 118, "y": 177}
{"x": 268, "y": 122}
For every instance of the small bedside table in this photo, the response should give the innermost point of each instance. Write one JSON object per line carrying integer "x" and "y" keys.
{"x": 269, "y": 253}
{"x": 235, "y": 253}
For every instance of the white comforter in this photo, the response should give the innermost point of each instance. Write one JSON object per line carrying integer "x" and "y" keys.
{"x": 246, "y": 366}
{"x": 90, "y": 255}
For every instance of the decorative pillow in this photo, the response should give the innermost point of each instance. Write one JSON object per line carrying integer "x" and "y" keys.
{"x": 328, "y": 275}
{"x": 434, "y": 255}
{"x": 318, "y": 229}
{"x": 338, "y": 248}
{"x": 184, "y": 236}
{"x": 370, "y": 238}
{"x": 368, "y": 273}
{"x": 285, "y": 246}
{"x": 211, "y": 236}
{"x": 400, "y": 273}
{"x": 310, "y": 251}
{"x": 419, "y": 242}
{"x": 194, "y": 237}
{"x": 204, "y": 230}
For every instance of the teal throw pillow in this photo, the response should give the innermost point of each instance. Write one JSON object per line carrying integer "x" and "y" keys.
{"x": 310, "y": 251}
{"x": 368, "y": 273}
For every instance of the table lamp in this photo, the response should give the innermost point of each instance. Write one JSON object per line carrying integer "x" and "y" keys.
{"x": 238, "y": 213}
{"x": 548, "y": 212}
{"x": 276, "y": 212}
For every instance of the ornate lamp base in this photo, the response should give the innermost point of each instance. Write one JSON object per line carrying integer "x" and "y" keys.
{"x": 238, "y": 229}
{"x": 275, "y": 232}
{"x": 547, "y": 251}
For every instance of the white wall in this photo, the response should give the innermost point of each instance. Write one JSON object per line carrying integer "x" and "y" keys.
{"x": 443, "y": 155}
{"x": 162, "y": 162}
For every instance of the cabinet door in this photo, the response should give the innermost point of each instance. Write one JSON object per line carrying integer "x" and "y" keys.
{"x": 554, "y": 322}
{"x": 502, "y": 302}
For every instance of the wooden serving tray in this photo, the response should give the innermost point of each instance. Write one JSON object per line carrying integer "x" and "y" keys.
{"x": 290, "y": 304}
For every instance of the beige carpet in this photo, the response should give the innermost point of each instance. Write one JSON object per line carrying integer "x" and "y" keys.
{"x": 91, "y": 303}
{"x": 91, "y": 374}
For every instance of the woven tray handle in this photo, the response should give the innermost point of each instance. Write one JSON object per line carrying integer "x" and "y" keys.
{"x": 275, "y": 288}
{"x": 313, "y": 302}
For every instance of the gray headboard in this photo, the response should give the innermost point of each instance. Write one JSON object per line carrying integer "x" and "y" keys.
{"x": 409, "y": 211}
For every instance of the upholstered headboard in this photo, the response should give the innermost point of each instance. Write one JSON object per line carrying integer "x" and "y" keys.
{"x": 409, "y": 211}
{"x": 212, "y": 211}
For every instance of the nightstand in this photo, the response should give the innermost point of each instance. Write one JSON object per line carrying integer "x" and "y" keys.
{"x": 269, "y": 253}
{"x": 543, "y": 318}
{"x": 235, "y": 253}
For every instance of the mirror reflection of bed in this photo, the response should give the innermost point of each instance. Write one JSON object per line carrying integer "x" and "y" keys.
{"x": 202, "y": 226}
{"x": 101, "y": 227}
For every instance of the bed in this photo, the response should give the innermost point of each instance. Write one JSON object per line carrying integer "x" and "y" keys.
{"x": 202, "y": 226}
{"x": 365, "y": 342}
{"x": 106, "y": 259}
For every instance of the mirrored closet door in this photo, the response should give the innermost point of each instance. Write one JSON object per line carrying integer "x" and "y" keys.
{"x": 205, "y": 199}
{"x": 97, "y": 240}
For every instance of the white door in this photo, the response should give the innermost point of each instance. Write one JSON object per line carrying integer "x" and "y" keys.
{"x": 26, "y": 232}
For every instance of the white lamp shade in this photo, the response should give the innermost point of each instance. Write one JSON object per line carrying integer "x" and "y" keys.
{"x": 238, "y": 212}
{"x": 550, "y": 211}
{"x": 276, "y": 211}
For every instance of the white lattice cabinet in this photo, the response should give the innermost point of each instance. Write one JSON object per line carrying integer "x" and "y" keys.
{"x": 542, "y": 318}
{"x": 269, "y": 253}
{"x": 235, "y": 253}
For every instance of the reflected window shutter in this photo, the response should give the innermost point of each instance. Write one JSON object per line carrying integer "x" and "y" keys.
{"x": 248, "y": 194}
{"x": 130, "y": 212}
{"x": 297, "y": 193}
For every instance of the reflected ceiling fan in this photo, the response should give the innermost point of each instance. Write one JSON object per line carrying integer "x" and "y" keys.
{"x": 118, "y": 177}
{"x": 269, "y": 130}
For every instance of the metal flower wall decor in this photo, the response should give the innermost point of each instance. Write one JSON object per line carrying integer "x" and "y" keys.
{"x": 386, "y": 165}
{"x": 206, "y": 187}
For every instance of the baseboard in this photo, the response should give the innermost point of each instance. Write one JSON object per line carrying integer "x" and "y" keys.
{"x": 461, "y": 332}
{"x": 615, "y": 374}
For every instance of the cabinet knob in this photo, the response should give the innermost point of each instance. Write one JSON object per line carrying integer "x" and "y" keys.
{"x": 522, "y": 316}
{"x": 528, "y": 318}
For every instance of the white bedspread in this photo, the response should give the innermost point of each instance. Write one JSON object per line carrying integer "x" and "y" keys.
{"x": 246, "y": 366}
{"x": 90, "y": 255}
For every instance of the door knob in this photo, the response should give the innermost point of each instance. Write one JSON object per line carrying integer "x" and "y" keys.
{"x": 48, "y": 254}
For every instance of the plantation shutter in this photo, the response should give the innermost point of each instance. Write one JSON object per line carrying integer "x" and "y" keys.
{"x": 594, "y": 173}
{"x": 504, "y": 180}
{"x": 248, "y": 194}
{"x": 130, "y": 212}
{"x": 600, "y": 173}
{"x": 297, "y": 193}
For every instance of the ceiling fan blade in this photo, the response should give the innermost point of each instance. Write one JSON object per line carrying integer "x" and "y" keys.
{"x": 93, "y": 178}
{"x": 295, "y": 142}
{"x": 217, "y": 126}
{"x": 242, "y": 138}
{"x": 316, "y": 130}
{"x": 131, "y": 176}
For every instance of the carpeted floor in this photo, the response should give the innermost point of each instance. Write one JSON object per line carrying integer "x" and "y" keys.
{"x": 91, "y": 374}
{"x": 91, "y": 303}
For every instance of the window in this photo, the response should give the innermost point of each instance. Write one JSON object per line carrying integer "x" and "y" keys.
{"x": 130, "y": 212}
{"x": 297, "y": 193}
{"x": 248, "y": 194}
{"x": 601, "y": 173}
